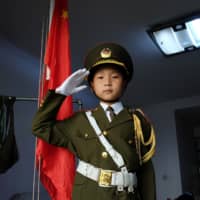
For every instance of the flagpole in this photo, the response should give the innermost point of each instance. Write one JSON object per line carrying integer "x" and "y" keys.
{"x": 43, "y": 41}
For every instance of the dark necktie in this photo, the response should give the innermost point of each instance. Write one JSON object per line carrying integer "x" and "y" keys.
{"x": 111, "y": 112}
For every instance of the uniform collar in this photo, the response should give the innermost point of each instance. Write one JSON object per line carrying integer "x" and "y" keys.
{"x": 117, "y": 107}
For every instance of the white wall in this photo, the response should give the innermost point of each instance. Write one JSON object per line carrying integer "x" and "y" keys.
{"x": 19, "y": 74}
{"x": 166, "y": 159}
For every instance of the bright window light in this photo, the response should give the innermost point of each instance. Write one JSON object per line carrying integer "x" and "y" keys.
{"x": 184, "y": 38}
{"x": 193, "y": 28}
{"x": 177, "y": 37}
{"x": 167, "y": 41}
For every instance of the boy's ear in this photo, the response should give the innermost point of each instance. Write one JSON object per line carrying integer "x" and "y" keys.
{"x": 125, "y": 83}
{"x": 91, "y": 86}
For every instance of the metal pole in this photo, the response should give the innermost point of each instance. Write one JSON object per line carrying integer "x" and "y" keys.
{"x": 26, "y": 99}
{"x": 77, "y": 101}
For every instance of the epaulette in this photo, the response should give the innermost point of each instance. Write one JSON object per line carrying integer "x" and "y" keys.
{"x": 140, "y": 120}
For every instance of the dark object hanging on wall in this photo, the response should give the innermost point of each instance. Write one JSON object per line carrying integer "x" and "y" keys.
{"x": 8, "y": 147}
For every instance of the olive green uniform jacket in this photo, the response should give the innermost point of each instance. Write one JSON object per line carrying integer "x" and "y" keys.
{"x": 76, "y": 134}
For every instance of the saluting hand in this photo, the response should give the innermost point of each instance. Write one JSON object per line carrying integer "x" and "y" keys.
{"x": 71, "y": 83}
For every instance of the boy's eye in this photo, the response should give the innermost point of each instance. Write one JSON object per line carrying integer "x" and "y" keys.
{"x": 115, "y": 76}
{"x": 99, "y": 77}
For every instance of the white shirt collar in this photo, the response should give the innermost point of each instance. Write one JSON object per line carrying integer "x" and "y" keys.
{"x": 117, "y": 106}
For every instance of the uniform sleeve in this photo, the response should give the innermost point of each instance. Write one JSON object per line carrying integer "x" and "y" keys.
{"x": 146, "y": 173}
{"x": 146, "y": 181}
{"x": 45, "y": 125}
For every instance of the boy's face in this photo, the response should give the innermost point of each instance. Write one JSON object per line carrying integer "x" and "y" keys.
{"x": 108, "y": 84}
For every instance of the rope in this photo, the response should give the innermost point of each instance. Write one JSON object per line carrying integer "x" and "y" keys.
{"x": 139, "y": 139}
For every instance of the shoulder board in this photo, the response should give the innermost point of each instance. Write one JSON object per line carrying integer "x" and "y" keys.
{"x": 141, "y": 114}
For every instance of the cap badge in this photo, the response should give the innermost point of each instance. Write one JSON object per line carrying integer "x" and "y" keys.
{"x": 106, "y": 53}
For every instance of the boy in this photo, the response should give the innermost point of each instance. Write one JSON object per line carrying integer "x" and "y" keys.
{"x": 114, "y": 144}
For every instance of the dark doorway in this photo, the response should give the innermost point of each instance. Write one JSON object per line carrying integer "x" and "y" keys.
{"x": 188, "y": 137}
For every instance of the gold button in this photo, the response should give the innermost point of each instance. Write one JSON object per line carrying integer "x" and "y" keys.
{"x": 104, "y": 154}
{"x": 41, "y": 103}
{"x": 130, "y": 141}
{"x": 105, "y": 132}
{"x": 86, "y": 135}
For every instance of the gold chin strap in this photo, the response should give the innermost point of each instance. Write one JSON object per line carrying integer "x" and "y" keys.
{"x": 139, "y": 139}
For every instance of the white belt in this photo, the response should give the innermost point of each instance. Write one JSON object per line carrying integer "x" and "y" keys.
{"x": 108, "y": 178}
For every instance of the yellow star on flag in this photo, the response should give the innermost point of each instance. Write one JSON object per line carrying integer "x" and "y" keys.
{"x": 64, "y": 14}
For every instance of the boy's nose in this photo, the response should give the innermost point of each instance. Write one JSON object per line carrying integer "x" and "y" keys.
{"x": 108, "y": 81}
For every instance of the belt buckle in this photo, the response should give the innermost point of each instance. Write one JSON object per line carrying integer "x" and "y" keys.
{"x": 105, "y": 178}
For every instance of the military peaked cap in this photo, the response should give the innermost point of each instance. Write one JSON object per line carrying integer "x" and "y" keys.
{"x": 109, "y": 53}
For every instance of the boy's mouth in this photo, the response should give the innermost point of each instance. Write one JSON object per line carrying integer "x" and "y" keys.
{"x": 107, "y": 91}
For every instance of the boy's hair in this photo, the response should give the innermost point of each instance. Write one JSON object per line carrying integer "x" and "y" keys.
{"x": 96, "y": 69}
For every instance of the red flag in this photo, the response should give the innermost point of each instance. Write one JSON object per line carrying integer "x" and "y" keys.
{"x": 57, "y": 164}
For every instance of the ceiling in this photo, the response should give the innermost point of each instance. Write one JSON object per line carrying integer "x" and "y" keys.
{"x": 157, "y": 78}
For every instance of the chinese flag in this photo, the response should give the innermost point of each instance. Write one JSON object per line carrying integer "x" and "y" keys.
{"x": 57, "y": 165}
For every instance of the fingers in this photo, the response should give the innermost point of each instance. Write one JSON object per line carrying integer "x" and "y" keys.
{"x": 71, "y": 83}
{"x": 77, "y": 76}
{"x": 80, "y": 74}
{"x": 80, "y": 88}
